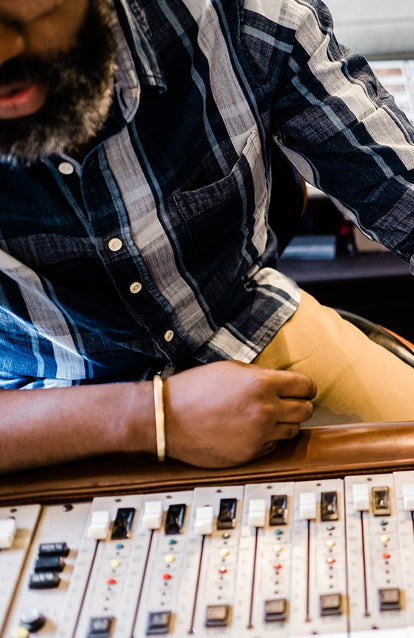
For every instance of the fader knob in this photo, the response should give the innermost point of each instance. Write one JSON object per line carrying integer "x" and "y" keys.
{"x": 204, "y": 518}
{"x": 307, "y": 505}
{"x": 360, "y": 495}
{"x": 257, "y": 512}
{"x": 8, "y": 530}
{"x": 408, "y": 496}
{"x": 152, "y": 515}
{"x": 99, "y": 525}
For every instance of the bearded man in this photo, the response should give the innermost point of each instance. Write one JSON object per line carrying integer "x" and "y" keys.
{"x": 135, "y": 177}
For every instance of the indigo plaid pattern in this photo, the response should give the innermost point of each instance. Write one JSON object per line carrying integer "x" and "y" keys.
{"x": 180, "y": 177}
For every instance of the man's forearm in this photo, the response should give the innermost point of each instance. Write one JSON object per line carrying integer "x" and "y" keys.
{"x": 40, "y": 427}
{"x": 216, "y": 415}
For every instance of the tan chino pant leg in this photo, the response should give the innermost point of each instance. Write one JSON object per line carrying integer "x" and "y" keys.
{"x": 358, "y": 380}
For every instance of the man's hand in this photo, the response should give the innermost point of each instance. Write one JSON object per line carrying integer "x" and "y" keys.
{"x": 228, "y": 413}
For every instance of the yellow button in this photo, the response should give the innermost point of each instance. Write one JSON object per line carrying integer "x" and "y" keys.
{"x": 224, "y": 552}
{"x": 169, "y": 335}
{"x": 278, "y": 549}
{"x": 115, "y": 563}
{"x": 330, "y": 544}
{"x": 169, "y": 558}
{"x": 19, "y": 632}
{"x": 135, "y": 287}
{"x": 385, "y": 539}
{"x": 115, "y": 244}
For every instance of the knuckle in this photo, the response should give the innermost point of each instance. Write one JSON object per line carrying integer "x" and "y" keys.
{"x": 254, "y": 414}
{"x": 304, "y": 411}
{"x": 309, "y": 408}
{"x": 255, "y": 388}
{"x": 287, "y": 431}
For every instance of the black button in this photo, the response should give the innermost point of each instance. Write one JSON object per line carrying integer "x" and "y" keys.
{"x": 227, "y": 513}
{"x": 158, "y": 623}
{"x": 49, "y": 564}
{"x": 44, "y": 580}
{"x": 275, "y": 610}
{"x": 100, "y": 627}
{"x": 330, "y": 604}
{"x": 123, "y": 523}
{"x": 217, "y": 615}
{"x": 329, "y": 506}
{"x": 389, "y": 598}
{"x": 381, "y": 501}
{"x": 278, "y": 509}
{"x": 174, "y": 519}
{"x": 53, "y": 549}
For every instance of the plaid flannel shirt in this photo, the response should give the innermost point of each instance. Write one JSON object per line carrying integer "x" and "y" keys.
{"x": 154, "y": 253}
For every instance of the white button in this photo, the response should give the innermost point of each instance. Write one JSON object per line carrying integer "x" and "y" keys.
{"x": 65, "y": 168}
{"x": 408, "y": 497}
{"x": 204, "y": 520}
{"x": 360, "y": 494}
{"x": 257, "y": 512}
{"x": 99, "y": 525}
{"x": 307, "y": 505}
{"x": 115, "y": 244}
{"x": 8, "y": 530}
{"x": 135, "y": 287}
{"x": 152, "y": 515}
{"x": 169, "y": 335}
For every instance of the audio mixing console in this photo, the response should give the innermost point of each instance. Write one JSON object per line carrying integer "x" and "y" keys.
{"x": 332, "y": 558}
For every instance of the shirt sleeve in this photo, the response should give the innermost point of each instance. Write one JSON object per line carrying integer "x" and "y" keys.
{"x": 333, "y": 119}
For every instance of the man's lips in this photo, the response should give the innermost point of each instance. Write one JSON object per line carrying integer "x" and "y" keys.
{"x": 19, "y": 99}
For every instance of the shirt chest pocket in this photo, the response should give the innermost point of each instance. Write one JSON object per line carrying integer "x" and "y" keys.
{"x": 220, "y": 216}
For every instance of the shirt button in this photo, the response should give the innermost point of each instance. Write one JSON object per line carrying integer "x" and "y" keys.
{"x": 169, "y": 335}
{"x": 135, "y": 287}
{"x": 65, "y": 168}
{"x": 115, "y": 244}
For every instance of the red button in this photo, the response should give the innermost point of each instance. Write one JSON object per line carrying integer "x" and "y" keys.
{"x": 385, "y": 555}
{"x": 222, "y": 570}
{"x": 277, "y": 565}
{"x": 330, "y": 560}
{"x": 111, "y": 581}
{"x": 166, "y": 576}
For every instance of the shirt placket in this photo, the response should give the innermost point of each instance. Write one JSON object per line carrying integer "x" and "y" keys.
{"x": 125, "y": 266}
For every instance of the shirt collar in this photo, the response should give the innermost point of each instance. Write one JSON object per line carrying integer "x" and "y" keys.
{"x": 136, "y": 59}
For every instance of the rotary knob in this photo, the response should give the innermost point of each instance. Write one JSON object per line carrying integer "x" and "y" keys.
{"x": 32, "y": 619}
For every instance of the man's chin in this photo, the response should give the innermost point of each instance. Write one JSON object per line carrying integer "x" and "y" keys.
{"x": 22, "y": 101}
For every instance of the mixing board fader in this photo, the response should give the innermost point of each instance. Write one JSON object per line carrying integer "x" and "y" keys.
{"x": 404, "y": 511}
{"x": 318, "y": 575}
{"x": 374, "y": 558}
{"x": 164, "y": 521}
{"x": 208, "y": 582}
{"x": 263, "y": 579}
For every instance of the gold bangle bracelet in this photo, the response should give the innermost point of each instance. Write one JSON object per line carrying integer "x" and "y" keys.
{"x": 159, "y": 416}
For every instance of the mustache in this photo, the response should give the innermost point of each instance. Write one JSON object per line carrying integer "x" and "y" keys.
{"x": 22, "y": 69}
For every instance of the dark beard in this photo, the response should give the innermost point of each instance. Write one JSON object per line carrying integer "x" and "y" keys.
{"x": 80, "y": 82}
